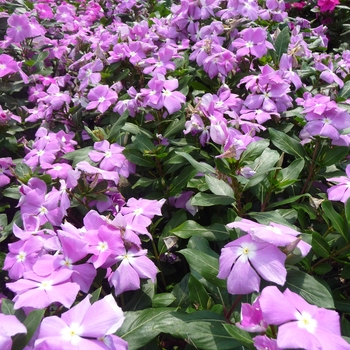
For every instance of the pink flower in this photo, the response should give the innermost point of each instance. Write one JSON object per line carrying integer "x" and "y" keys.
{"x": 340, "y": 192}
{"x": 84, "y": 326}
{"x": 19, "y": 28}
{"x": 39, "y": 292}
{"x": 327, "y": 5}
{"x": 134, "y": 265}
{"x": 9, "y": 327}
{"x": 101, "y": 97}
{"x": 246, "y": 257}
{"x": 301, "y": 325}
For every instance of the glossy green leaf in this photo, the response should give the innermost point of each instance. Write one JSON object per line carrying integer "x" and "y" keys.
{"x": 208, "y": 200}
{"x": 199, "y": 166}
{"x": 137, "y": 158}
{"x": 308, "y": 288}
{"x": 139, "y": 326}
{"x": 287, "y": 144}
{"x": 204, "y": 264}
{"x": 202, "y": 329}
{"x": 31, "y": 322}
{"x": 240, "y": 335}
{"x": 215, "y": 232}
{"x": 197, "y": 293}
{"x": 334, "y": 155}
{"x": 182, "y": 293}
{"x": 219, "y": 187}
{"x": 79, "y": 155}
{"x": 281, "y": 43}
{"x": 337, "y": 221}
{"x": 143, "y": 143}
{"x": 254, "y": 150}
{"x": 320, "y": 245}
{"x": 163, "y": 300}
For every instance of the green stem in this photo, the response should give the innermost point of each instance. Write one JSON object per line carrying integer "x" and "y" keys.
{"x": 156, "y": 255}
{"x": 229, "y": 314}
{"x": 311, "y": 174}
{"x": 331, "y": 256}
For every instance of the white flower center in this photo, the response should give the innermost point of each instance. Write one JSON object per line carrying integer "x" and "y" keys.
{"x": 72, "y": 332}
{"x": 306, "y": 321}
{"x": 102, "y": 246}
{"x": 45, "y": 285}
{"x": 21, "y": 257}
{"x": 247, "y": 250}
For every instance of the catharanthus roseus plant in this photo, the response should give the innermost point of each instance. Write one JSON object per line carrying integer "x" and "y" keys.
{"x": 174, "y": 175}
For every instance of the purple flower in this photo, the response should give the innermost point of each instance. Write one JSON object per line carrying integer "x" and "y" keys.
{"x": 253, "y": 41}
{"x": 246, "y": 257}
{"x": 5, "y": 171}
{"x": 134, "y": 265}
{"x": 301, "y": 325}
{"x": 10, "y": 326}
{"x": 19, "y": 28}
{"x": 279, "y": 235}
{"x": 340, "y": 192}
{"x": 141, "y": 211}
{"x": 262, "y": 342}
{"x": 84, "y": 326}
{"x": 109, "y": 156}
{"x": 40, "y": 291}
{"x": 251, "y": 318}
{"x": 101, "y": 97}
{"x": 22, "y": 256}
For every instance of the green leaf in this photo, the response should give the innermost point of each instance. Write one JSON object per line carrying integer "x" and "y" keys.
{"x": 335, "y": 155}
{"x": 137, "y": 158}
{"x": 176, "y": 126}
{"x": 180, "y": 181}
{"x": 270, "y": 216}
{"x": 323, "y": 268}
{"x": 208, "y": 200}
{"x": 319, "y": 245}
{"x": 289, "y": 175}
{"x": 215, "y": 232}
{"x": 240, "y": 335}
{"x": 287, "y": 144}
{"x": 198, "y": 294}
{"x": 79, "y": 155}
{"x": 287, "y": 201}
{"x": 143, "y": 143}
{"x": 182, "y": 293}
{"x": 142, "y": 298}
{"x": 205, "y": 265}
{"x": 23, "y": 172}
{"x": 254, "y": 150}
{"x": 177, "y": 219}
{"x": 347, "y": 211}
{"x": 199, "y": 166}
{"x": 200, "y": 243}
{"x": 163, "y": 300}
{"x": 344, "y": 92}
{"x": 31, "y": 322}
{"x": 202, "y": 329}
{"x": 219, "y": 187}
{"x": 281, "y": 43}
{"x": 95, "y": 295}
{"x": 337, "y": 221}
{"x": 308, "y": 288}
{"x": 138, "y": 328}
{"x": 144, "y": 182}
{"x": 116, "y": 127}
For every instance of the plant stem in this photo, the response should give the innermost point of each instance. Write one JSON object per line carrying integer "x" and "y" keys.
{"x": 311, "y": 174}
{"x": 156, "y": 255}
{"x": 229, "y": 314}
